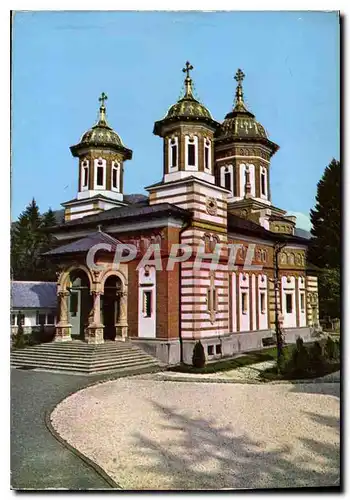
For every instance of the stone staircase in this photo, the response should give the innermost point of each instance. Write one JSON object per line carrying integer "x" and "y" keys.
{"x": 79, "y": 358}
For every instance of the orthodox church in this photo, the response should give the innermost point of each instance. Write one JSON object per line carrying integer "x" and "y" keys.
{"x": 214, "y": 192}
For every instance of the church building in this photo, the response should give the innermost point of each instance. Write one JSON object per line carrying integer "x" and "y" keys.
{"x": 212, "y": 200}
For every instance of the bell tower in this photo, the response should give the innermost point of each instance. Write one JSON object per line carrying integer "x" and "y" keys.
{"x": 101, "y": 155}
{"x": 243, "y": 153}
{"x": 187, "y": 131}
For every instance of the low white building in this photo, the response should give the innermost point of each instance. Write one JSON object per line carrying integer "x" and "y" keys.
{"x": 34, "y": 303}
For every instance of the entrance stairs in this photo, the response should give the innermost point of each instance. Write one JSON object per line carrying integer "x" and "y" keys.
{"x": 77, "y": 357}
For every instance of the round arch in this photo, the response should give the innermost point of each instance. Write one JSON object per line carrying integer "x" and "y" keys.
{"x": 64, "y": 278}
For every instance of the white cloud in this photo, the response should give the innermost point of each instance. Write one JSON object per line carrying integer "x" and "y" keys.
{"x": 303, "y": 220}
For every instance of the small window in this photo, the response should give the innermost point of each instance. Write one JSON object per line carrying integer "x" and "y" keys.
{"x": 218, "y": 349}
{"x": 174, "y": 155}
{"x": 208, "y": 300}
{"x": 302, "y": 302}
{"x": 206, "y": 158}
{"x": 85, "y": 176}
{"x": 40, "y": 318}
{"x": 262, "y": 302}
{"x": 210, "y": 350}
{"x": 115, "y": 178}
{"x": 244, "y": 302}
{"x": 13, "y": 320}
{"x": 50, "y": 319}
{"x": 289, "y": 303}
{"x": 20, "y": 319}
{"x": 99, "y": 181}
{"x": 227, "y": 178}
{"x": 263, "y": 183}
{"x": 147, "y": 304}
{"x": 214, "y": 299}
{"x": 191, "y": 155}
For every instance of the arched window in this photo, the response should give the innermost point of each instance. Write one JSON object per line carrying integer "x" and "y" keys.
{"x": 115, "y": 176}
{"x": 85, "y": 175}
{"x": 207, "y": 155}
{"x": 100, "y": 173}
{"x": 191, "y": 152}
{"x": 173, "y": 152}
{"x": 227, "y": 177}
{"x": 263, "y": 181}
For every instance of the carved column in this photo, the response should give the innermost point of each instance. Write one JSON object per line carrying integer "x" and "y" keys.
{"x": 122, "y": 325}
{"x": 94, "y": 331}
{"x": 63, "y": 328}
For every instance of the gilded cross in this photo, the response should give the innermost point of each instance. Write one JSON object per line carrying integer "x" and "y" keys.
{"x": 239, "y": 77}
{"x": 103, "y": 98}
{"x": 187, "y": 69}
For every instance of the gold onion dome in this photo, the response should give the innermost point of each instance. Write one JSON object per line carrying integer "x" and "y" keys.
{"x": 187, "y": 108}
{"x": 240, "y": 123}
{"x": 101, "y": 134}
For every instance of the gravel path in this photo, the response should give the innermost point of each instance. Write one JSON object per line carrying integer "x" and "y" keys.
{"x": 149, "y": 434}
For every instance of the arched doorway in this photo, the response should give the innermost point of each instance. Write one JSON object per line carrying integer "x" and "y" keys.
{"x": 113, "y": 289}
{"x": 79, "y": 303}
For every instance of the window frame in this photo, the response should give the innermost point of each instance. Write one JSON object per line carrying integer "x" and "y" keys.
{"x": 287, "y": 296}
{"x": 244, "y": 310}
{"x": 147, "y": 308}
{"x": 262, "y": 302}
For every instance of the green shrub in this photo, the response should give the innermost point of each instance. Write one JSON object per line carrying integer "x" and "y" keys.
{"x": 337, "y": 350}
{"x": 330, "y": 349}
{"x": 18, "y": 339}
{"x": 316, "y": 358}
{"x": 198, "y": 356}
{"x": 299, "y": 362}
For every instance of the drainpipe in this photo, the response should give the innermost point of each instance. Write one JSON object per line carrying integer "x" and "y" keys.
{"x": 184, "y": 227}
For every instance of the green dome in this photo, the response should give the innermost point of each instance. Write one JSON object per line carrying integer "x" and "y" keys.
{"x": 187, "y": 108}
{"x": 240, "y": 124}
{"x": 101, "y": 135}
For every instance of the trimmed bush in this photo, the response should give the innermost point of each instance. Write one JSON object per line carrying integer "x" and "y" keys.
{"x": 330, "y": 349}
{"x": 198, "y": 356}
{"x": 19, "y": 340}
{"x": 317, "y": 360}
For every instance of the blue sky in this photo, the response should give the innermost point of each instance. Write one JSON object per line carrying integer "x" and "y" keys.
{"x": 62, "y": 61}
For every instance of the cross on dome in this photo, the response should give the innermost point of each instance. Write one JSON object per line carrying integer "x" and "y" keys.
{"x": 239, "y": 76}
{"x": 187, "y": 69}
{"x": 103, "y": 98}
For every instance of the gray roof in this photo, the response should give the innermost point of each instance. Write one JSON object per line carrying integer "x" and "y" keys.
{"x": 303, "y": 233}
{"x": 136, "y": 212}
{"x": 84, "y": 244}
{"x": 33, "y": 294}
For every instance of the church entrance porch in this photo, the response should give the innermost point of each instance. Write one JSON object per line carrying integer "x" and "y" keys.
{"x": 92, "y": 305}
{"x": 113, "y": 310}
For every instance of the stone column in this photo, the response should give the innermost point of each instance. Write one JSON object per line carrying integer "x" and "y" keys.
{"x": 94, "y": 331}
{"x": 63, "y": 328}
{"x": 122, "y": 326}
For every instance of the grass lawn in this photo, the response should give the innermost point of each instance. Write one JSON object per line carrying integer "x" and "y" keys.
{"x": 222, "y": 365}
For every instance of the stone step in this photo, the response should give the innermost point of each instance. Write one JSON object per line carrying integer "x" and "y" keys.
{"x": 132, "y": 370}
{"x": 77, "y": 357}
{"x": 80, "y": 356}
{"x": 81, "y": 366}
{"x": 29, "y": 362}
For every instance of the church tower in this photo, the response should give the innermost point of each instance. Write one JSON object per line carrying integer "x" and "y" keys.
{"x": 188, "y": 132}
{"x": 243, "y": 153}
{"x": 101, "y": 155}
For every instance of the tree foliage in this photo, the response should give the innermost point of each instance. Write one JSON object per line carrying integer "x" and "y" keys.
{"x": 28, "y": 242}
{"x": 325, "y": 219}
{"x": 325, "y": 244}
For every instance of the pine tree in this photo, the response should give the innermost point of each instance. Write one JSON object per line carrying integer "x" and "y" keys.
{"x": 325, "y": 218}
{"x": 28, "y": 242}
{"x": 325, "y": 245}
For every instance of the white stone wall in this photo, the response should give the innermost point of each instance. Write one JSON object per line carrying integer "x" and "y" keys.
{"x": 147, "y": 325}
